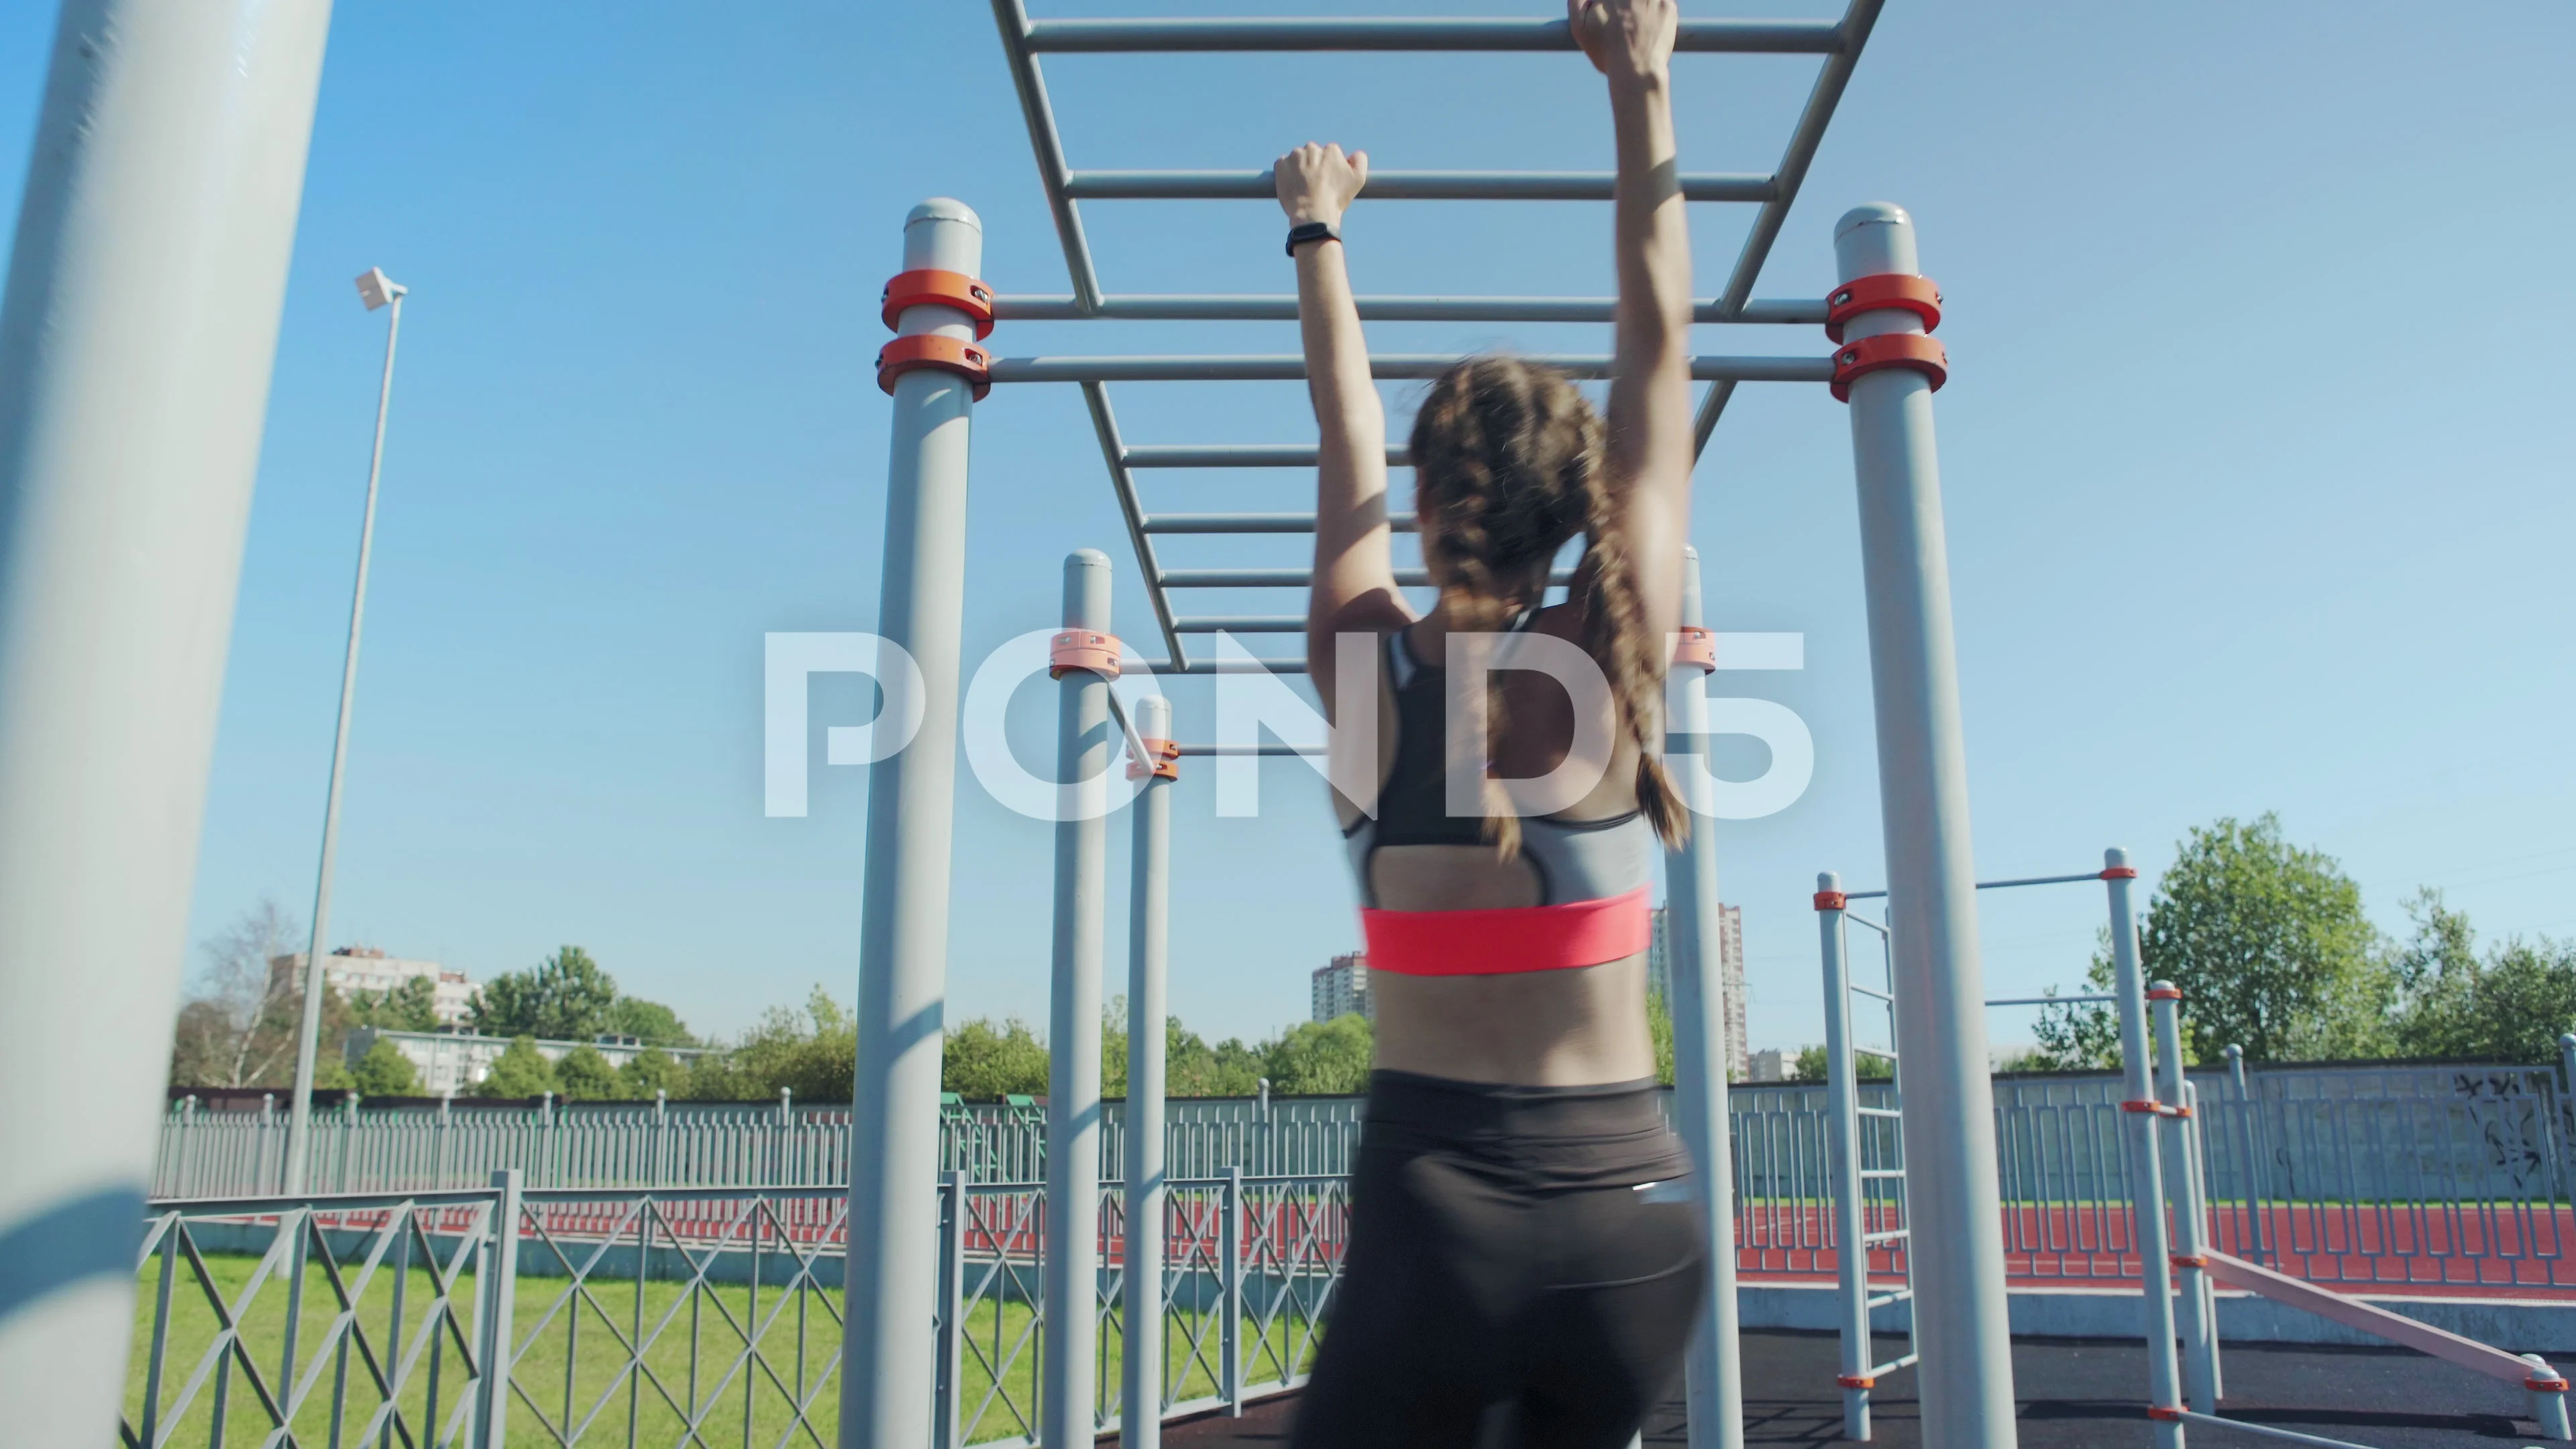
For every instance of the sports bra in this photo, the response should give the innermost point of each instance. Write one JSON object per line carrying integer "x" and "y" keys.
{"x": 1593, "y": 875}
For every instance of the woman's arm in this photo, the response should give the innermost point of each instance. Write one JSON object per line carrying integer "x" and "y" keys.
{"x": 1649, "y": 453}
{"x": 1354, "y": 583}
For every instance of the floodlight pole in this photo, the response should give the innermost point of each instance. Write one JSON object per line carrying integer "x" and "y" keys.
{"x": 136, "y": 341}
{"x": 1953, "y": 1202}
{"x": 376, "y": 290}
{"x": 887, "y": 1347}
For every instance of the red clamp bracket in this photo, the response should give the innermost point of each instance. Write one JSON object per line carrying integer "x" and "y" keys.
{"x": 1856, "y": 1381}
{"x": 2151, "y": 1107}
{"x": 1888, "y": 289}
{"x": 943, "y": 354}
{"x": 2188, "y": 1260}
{"x": 1166, "y": 760}
{"x": 2164, "y": 1414}
{"x": 2164, "y": 993}
{"x": 1910, "y": 350}
{"x": 1829, "y": 900}
{"x": 1695, "y": 645}
{"x": 2540, "y": 1385}
{"x": 1085, "y": 650}
{"x": 929, "y": 286}
{"x": 2120, "y": 872}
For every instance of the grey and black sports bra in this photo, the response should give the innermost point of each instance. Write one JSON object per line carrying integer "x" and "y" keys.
{"x": 1576, "y": 860}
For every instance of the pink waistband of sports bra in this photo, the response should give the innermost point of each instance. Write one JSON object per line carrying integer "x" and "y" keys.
{"x": 1514, "y": 938}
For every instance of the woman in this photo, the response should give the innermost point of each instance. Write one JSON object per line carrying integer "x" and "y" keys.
{"x": 1524, "y": 1260}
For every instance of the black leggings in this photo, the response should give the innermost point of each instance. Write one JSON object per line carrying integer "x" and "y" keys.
{"x": 1524, "y": 1267}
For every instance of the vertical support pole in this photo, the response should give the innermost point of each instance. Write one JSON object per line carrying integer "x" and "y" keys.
{"x": 886, "y": 1372}
{"x": 947, "y": 1431}
{"x": 500, "y": 1291}
{"x": 2196, "y": 1129}
{"x": 1230, "y": 1251}
{"x": 1066, "y": 1404}
{"x": 2252, "y": 1187}
{"x": 1851, "y": 1218}
{"x": 2548, "y": 1398}
{"x": 2183, "y": 1187}
{"x": 137, "y": 330}
{"x": 2146, "y": 1171}
{"x": 1140, "y": 1392}
{"x": 1954, "y": 1207}
{"x": 1712, "y": 1372}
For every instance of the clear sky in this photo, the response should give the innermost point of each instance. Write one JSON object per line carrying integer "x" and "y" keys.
{"x": 2253, "y": 494}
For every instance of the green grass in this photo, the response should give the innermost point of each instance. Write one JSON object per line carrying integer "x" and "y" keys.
{"x": 579, "y": 1350}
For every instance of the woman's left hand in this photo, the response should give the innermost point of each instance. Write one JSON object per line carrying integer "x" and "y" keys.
{"x": 1318, "y": 183}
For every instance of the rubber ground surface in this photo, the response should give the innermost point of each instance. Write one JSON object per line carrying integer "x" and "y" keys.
{"x": 2078, "y": 1396}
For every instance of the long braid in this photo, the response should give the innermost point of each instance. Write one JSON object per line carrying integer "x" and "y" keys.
{"x": 1616, "y": 631}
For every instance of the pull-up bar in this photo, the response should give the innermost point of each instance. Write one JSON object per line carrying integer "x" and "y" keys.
{"x": 1786, "y": 311}
{"x": 1738, "y": 37}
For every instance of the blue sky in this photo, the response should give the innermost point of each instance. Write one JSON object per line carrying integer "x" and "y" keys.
{"x": 2253, "y": 499}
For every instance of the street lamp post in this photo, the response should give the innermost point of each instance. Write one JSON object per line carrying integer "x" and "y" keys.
{"x": 376, "y": 290}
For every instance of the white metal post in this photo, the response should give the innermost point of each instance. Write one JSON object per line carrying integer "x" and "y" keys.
{"x": 2181, "y": 1163}
{"x": 500, "y": 1291}
{"x": 2146, "y": 1187}
{"x": 1066, "y": 1412}
{"x": 299, "y": 1118}
{"x": 1140, "y": 1394}
{"x": 1851, "y": 1217}
{"x": 136, "y": 336}
{"x": 1712, "y": 1375}
{"x": 1953, "y": 1205}
{"x": 886, "y": 1369}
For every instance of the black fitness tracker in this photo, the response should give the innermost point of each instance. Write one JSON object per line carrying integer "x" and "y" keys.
{"x": 1310, "y": 231}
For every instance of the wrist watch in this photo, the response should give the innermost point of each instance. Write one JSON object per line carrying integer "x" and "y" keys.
{"x": 1310, "y": 231}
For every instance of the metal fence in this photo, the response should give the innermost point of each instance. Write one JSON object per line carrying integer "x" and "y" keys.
{"x": 2360, "y": 1175}
{"x": 679, "y": 1316}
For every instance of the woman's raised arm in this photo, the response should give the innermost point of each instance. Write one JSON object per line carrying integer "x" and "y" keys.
{"x": 1649, "y": 454}
{"x": 1354, "y": 583}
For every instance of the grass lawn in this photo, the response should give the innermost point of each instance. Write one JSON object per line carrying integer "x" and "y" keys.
{"x": 580, "y": 1358}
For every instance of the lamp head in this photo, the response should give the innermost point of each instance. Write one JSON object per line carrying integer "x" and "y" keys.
{"x": 376, "y": 289}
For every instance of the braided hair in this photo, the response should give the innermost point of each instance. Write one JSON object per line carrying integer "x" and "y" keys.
{"x": 1507, "y": 469}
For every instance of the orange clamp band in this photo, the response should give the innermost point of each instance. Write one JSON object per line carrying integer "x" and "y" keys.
{"x": 1856, "y": 1381}
{"x": 1695, "y": 645}
{"x": 2120, "y": 872}
{"x": 2545, "y": 1386}
{"x": 1082, "y": 649}
{"x": 2164, "y": 993}
{"x": 944, "y": 354}
{"x": 2150, "y": 1106}
{"x": 2188, "y": 1260}
{"x": 929, "y": 286}
{"x": 2163, "y": 1414}
{"x": 1888, "y": 289}
{"x": 1829, "y": 900}
{"x": 1891, "y": 350}
{"x": 1166, "y": 760}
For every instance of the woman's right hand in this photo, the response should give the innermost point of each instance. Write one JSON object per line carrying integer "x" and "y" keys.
{"x": 1626, "y": 39}
{"x": 1317, "y": 182}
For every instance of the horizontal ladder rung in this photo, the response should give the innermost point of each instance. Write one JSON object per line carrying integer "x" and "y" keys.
{"x": 1270, "y": 307}
{"x": 1882, "y": 1300}
{"x": 1857, "y": 989}
{"x": 1239, "y": 624}
{"x": 1888, "y": 1235}
{"x": 1398, "y": 366}
{"x": 1408, "y": 186}
{"x": 1267, "y": 750}
{"x": 1878, "y": 1111}
{"x": 1737, "y": 37}
{"x": 1253, "y": 523}
{"x": 1223, "y": 666}
{"x": 1242, "y": 455}
{"x": 1290, "y": 578}
{"x": 1892, "y": 1365}
{"x": 1882, "y": 1172}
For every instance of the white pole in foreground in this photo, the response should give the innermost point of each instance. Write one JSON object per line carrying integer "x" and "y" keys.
{"x": 136, "y": 337}
{"x": 886, "y": 1356}
{"x": 1140, "y": 1392}
{"x": 2146, "y": 1167}
{"x": 1066, "y": 1409}
{"x": 1713, "y": 1381}
{"x": 376, "y": 290}
{"x": 1954, "y": 1206}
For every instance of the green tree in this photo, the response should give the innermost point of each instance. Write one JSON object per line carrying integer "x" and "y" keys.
{"x": 410, "y": 1006}
{"x": 648, "y": 1021}
{"x": 652, "y": 1071}
{"x": 566, "y": 997}
{"x": 584, "y": 1075}
{"x": 519, "y": 1071}
{"x": 1659, "y": 1030}
{"x": 983, "y": 1060}
{"x": 385, "y": 1072}
{"x": 2078, "y": 1038}
{"x": 1869, "y": 1066}
{"x": 1322, "y": 1058}
{"x": 2508, "y": 1006}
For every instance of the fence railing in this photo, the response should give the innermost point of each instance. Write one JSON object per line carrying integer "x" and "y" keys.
{"x": 2402, "y": 1175}
{"x": 677, "y": 1316}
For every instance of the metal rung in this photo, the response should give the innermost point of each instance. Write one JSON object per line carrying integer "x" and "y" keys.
{"x": 1394, "y": 366}
{"x": 1408, "y": 186}
{"x": 1223, "y": 666}
{"x": 1248, "y": 523}
{"x": 1737, "y": 37}
{"x": 1892, "y": 1365}
{"x": 1290, "y": 578}
{"x": 1901, "y": 1295}
{"x": 1888, "y": 1236}
{"x": 1242, "y": 455}
{"x": 1239, "y": 624}
{"x": 1878, "y": 1111}
{"x": 1267, "y": 750}
{"x": 1882, "y": 1172}
{"x": 1264, "y": 307}
{"x": 1857, "y": 989}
